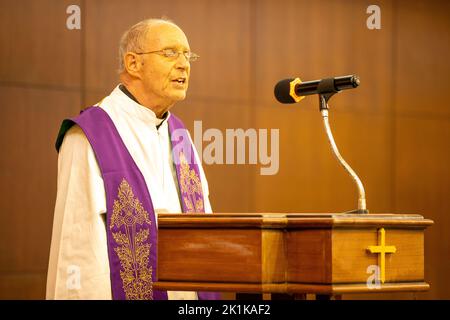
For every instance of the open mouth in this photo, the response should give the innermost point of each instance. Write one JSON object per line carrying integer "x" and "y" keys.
{"x": 180, "y": 80}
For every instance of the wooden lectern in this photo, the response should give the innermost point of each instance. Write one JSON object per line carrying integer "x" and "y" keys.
{"x": 324, "y": 254}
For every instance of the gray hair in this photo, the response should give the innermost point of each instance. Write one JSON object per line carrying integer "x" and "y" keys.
{"x": 133, "y": 39}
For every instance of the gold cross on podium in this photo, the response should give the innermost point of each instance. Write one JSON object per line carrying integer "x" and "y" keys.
{"x": 382, "y": 249}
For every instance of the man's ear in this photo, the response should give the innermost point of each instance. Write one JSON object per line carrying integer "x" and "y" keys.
{"x": 133, "y": 65}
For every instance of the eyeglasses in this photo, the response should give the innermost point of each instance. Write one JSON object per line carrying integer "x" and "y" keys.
{"x": 172, "y": 54}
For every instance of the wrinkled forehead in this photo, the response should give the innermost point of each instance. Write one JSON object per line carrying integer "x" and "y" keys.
{"x": 166, "y": 35}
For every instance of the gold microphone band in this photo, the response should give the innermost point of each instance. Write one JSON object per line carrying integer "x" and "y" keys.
{"x": 292, "y": 93}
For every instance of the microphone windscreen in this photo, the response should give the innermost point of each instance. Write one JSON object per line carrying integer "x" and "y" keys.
{"x": 282, "y": 90}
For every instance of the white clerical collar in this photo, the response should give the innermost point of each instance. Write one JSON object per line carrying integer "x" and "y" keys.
{"x": 135, "y": 109}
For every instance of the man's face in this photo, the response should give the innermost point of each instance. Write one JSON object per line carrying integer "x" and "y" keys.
{"x": 161, "y": 75}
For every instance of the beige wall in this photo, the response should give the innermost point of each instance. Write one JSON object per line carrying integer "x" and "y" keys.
{"x": 392, "y": 129}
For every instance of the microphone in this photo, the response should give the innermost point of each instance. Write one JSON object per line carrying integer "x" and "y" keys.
{"x": 293, "y": 90}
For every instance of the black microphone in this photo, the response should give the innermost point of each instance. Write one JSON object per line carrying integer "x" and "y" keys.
{"x": 293, "y": 90}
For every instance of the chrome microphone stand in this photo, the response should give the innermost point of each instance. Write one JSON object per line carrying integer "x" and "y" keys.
{"x": 323, "y": 100}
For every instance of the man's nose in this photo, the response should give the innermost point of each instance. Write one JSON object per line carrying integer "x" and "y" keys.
{"x": 182, "y": 61}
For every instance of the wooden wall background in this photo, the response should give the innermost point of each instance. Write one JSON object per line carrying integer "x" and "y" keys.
{"x": 394, "y": 129}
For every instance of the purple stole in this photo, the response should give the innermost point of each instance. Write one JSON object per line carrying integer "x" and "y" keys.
{"x": 131, "y": 222}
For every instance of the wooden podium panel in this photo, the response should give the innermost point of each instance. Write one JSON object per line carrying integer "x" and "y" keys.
{"x": 291, "y": 253}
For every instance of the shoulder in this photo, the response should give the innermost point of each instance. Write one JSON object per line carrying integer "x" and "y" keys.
{"x": 77, "y": 156}
{"x": 89, "y": 117}
{"x": 74, "y": 140}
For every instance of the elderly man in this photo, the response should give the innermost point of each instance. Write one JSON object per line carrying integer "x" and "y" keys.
{"x": 121, "y": 163}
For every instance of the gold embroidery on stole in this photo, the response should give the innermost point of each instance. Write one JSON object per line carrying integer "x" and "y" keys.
{"x": 190, "y": 187}
{"x": 133, "y": 253}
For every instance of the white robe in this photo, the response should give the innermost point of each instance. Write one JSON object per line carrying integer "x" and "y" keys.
{"x": 79, "y": 266}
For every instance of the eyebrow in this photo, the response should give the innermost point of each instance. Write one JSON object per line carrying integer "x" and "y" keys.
{"x": 174, "y": 48}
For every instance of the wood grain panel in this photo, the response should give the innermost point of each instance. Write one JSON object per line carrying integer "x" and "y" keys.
{"x": 197, "y": 264}
{"x": 351, "y": 260}
{"x": 93, "y": 97}
{"x": 220, "y": 31}
{"x": 37, "y": 48}
{"x": 31, "y": 119}
{"x": 422, "y": 51}
{"x": 319, "y": 39}
{"x": 22, "y": 286}
{"x": 309, "y": 253}
{"x": 273, "y": 256}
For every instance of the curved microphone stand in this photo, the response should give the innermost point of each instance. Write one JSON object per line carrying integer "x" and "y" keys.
{"x": 323, "y": 98}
